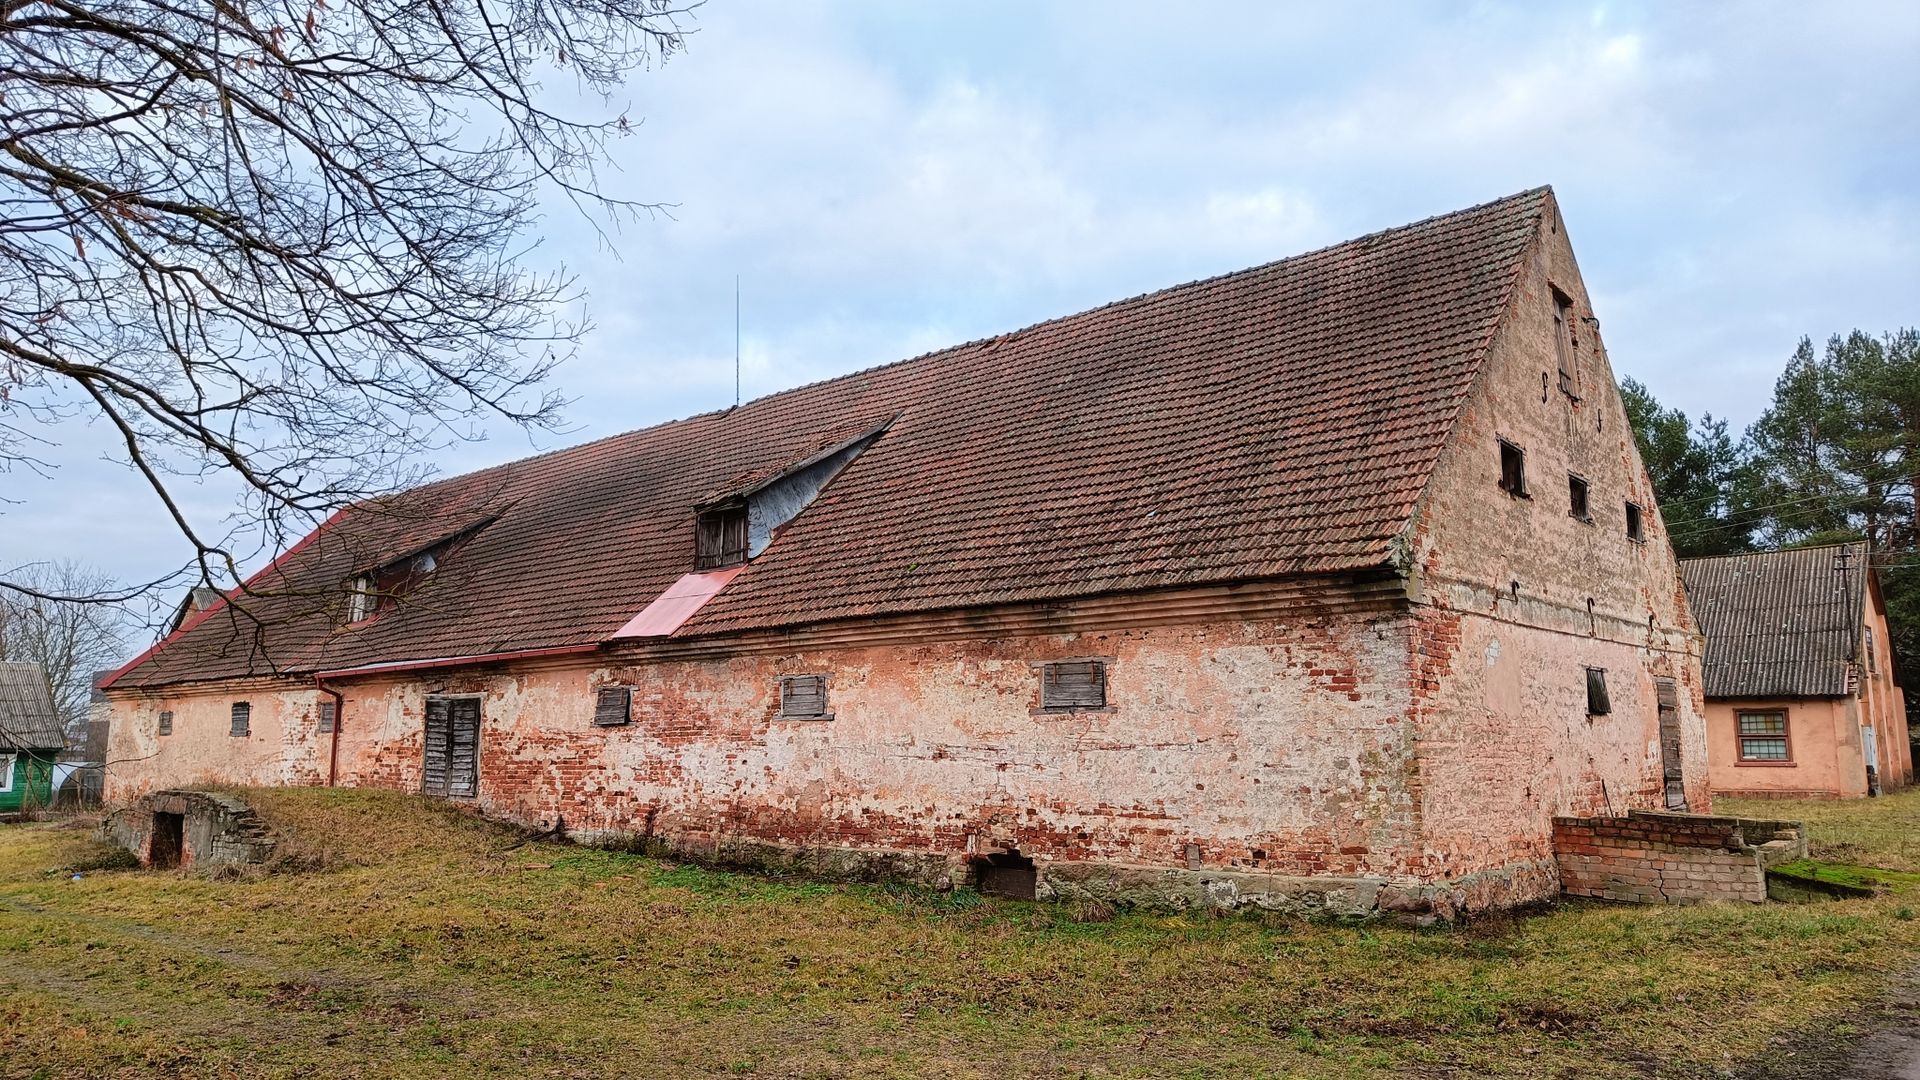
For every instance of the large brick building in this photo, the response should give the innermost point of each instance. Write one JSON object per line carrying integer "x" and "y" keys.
{"x": 1328, "y": 581}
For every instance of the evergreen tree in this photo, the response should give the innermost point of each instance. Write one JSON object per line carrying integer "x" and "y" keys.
{"x": 1705, "y": 486}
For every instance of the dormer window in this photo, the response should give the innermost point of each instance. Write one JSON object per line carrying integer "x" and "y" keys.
{"x": 360, "y": 602}
{"x": 720, "y": 537}
{"x": 374, "y": 590}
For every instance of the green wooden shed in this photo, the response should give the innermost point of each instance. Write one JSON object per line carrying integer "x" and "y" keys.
{"x": 30, "y": 737}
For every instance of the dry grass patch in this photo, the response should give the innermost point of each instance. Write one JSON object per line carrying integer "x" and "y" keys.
{"x": 434, "y": 942}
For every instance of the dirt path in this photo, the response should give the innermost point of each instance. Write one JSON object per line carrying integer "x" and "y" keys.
{"x": 1878, "y": 1043}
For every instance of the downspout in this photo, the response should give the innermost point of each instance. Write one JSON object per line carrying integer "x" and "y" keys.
{"x": 339, "y": 717}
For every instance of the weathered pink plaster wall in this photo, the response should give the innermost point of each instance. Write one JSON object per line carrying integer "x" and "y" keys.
{"x": 1271, "y": 746}
{"x": 1525, "y": 597}
{"x": 1823, "y": 737}
{"x": 282, "y": 747}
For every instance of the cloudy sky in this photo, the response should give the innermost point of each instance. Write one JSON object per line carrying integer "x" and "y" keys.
{"x": 888, "y": 178}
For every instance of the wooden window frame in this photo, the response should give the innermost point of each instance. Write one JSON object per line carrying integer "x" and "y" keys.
{"x": 163, "y": 724}
{"x": 1785, "y": 736}
{"x": 1605, "y": 696}
{"x": 1053, "y": 699}
{"x": 1636, "y": 522}
{"x": 1517, "y": 485}
{"x": 240, "y": 720}
{"x": 787, "y": 697}
{"x": 613, "y": 706}
{"x": 362, "y": 604}
{"x": 1580, "y": 505}
{"x": 715, "y": 545}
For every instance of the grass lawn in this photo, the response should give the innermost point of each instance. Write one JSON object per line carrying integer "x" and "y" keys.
{"x": 431, "y": 946}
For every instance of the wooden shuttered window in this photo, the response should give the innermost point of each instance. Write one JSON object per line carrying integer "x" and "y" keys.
{"x": 1074, "y": 684}
{"x": 613, "y": 706}
{"x": 804, "y": 696}
{"x": 329, "y": 717}
{"x": 166, "y": 722}
{"x": 450, "y": 763}
{"x": 1598, "y": 703}
{"x": 240, "y": 724}
{"x": 720, "y": 538}
{"x": 1667, "y": 695}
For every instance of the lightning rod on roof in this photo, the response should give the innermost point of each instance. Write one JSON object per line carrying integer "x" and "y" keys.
{"x": 736, "y": 341}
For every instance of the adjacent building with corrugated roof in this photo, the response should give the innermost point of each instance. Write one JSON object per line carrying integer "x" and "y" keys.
{"x": 1803, "y": 693}
{"x": 1326, "y": 583}
{"x": 31, "y": 737}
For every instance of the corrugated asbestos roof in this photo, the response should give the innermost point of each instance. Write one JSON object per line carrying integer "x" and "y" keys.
{"x": 27, "y": 717}
{"x": 1279, "y": 420}
{"x": 1778, "y": 623}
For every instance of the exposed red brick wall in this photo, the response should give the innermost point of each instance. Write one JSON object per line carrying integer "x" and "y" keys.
{"x": 1656, "y": 858}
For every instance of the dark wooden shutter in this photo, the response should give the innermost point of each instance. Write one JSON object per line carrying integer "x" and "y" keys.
{"x": 328, "y": 717}
{"x": 803, "y": 695}
{"x": 720, "y": 538}
{"x": 1074, "y": 684}
{"x": 463, "y": 756}
{"x": 613, "y": 707}
{"x": 242, "y": 722}
{"x": 1669, "y": 701}
{"x": 166, "y": 722}
{"x": 433, "y": 770}
{"x": 1597, "y": 702}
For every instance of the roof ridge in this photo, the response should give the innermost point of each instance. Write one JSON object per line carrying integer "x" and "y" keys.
{"x": 1212, "y": 279}
{"x": 1773, "y": 551}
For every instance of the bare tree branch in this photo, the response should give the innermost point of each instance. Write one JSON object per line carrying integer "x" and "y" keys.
{"x": 279, "y": 240}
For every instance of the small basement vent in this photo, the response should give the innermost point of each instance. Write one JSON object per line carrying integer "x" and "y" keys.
{"x": 1006, "y": 873}
{"x": 613, "y": 706}
{"x": 1074, "y": 684}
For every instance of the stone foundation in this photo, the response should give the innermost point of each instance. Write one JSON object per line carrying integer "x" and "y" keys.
{"x": 169, "y": 829}
{"x": 1651, "y": 857}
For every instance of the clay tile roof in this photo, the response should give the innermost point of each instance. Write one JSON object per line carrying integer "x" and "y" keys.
{"x": 1778, "y": 623}
{"x": 28, "y": 720}
{"x": 1276, "y": 421}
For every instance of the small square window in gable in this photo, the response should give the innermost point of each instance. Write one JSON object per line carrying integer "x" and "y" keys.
{"x": 1073, "y": 684}
{"x": 1577, "y": 498}
{"x": 166, "y": 722}
{"x": 612, "y": 706}
{"x": 1636, "y": 525}
{"x": 1513, "y": 469}
{"x": 804, "y": 697}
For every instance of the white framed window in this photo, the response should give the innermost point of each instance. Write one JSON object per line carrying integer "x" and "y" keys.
{"x": 6, "y": 773}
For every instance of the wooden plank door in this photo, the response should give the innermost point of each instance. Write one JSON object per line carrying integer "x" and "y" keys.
{"x": 450, "y": 764}
{"x": 1669, "y": 699}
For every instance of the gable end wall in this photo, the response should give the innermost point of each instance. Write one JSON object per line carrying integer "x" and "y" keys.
{"x": 1516, "y": 598}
